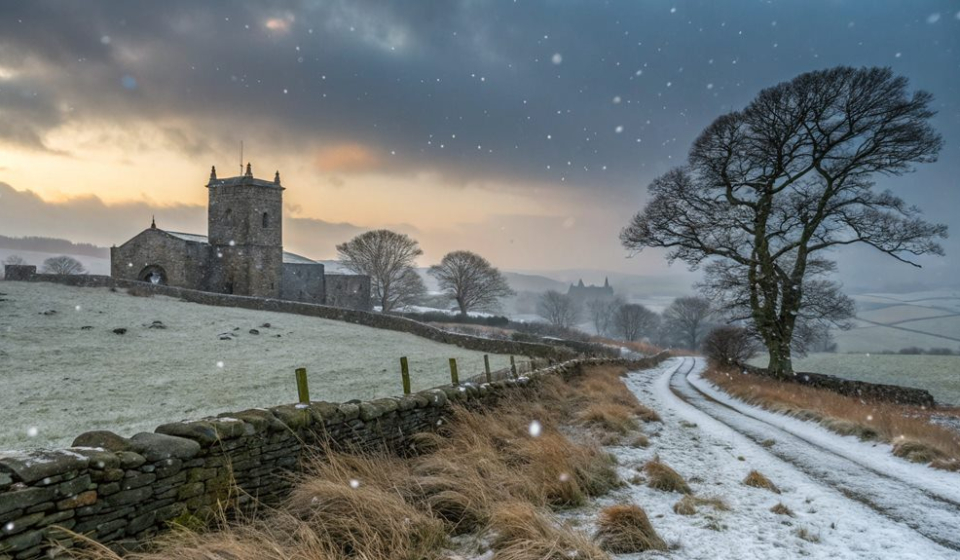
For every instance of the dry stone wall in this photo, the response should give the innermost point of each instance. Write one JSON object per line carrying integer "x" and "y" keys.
{"x": 121, "y": 491}
{"x": 859, "y": 389}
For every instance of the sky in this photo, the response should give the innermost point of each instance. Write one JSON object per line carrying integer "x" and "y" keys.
{"x": 526, "y": 131}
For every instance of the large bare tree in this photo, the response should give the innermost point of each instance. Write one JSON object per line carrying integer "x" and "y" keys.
{"x": 769, "y": 190}
{"x": 560, "y": 310}
{"x": 471, "y": 281}
{"x": 686, "y": 321}
{"x": 63, "y": 265}
{"x": 634, "y": 321}
{"x": 389, "y": 259}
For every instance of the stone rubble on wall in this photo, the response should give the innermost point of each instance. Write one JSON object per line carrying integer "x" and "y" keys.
{"x": 121, "y": 491}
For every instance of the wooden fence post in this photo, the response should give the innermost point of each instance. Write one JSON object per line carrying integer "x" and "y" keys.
{"x": 513, "y": 367}
{"x": 303, "y": 391}
{"x": 405, "y": 375}
{"x": 486, "y": 367}
{"x": 454, "y": 376}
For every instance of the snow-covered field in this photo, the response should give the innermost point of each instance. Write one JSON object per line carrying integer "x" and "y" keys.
{"x": 66, "y": 372}
{"x": 829, "y": 519}
{"x": 889, "y": 322}
{"x": 938, "y": 374}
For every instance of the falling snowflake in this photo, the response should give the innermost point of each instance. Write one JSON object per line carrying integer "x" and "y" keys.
{"x": 220, "y": 365}
{"x": 933, "y": 18}
{"x": 535, "y": 428}
{"x": 557, "y": 58}
{"x": 354, "y": 483}
{"x": 32, "y": 431}
{"x": 616, "y": 100}
{"x": 619, "y": 129}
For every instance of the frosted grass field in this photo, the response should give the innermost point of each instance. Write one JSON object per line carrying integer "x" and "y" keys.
{"x": 938, "y": 374}
{"x": 58, "y": 379}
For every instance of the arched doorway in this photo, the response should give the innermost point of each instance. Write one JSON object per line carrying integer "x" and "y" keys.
{"x": 154, "y": 274}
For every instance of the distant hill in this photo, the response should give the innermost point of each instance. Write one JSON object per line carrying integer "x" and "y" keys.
{"x": 54, "y": 246}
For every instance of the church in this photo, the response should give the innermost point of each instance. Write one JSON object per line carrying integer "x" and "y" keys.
{"x": 241, "y": 254}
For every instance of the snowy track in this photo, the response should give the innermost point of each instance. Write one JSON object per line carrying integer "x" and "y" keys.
{"x": 848, "y": 500}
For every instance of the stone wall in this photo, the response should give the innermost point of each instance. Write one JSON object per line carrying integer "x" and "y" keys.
{"x": 303, "y": 282}
{"x": 184, "y": 263}
{"x": 556, "y": 352}
{"x": 858, "y": 389}
{"x": 348, "y": 290}
{"x": 122, "y": 491}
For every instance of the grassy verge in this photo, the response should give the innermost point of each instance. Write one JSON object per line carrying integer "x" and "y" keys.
{"x": 907, "y": 428}
{"x": 488, "y": 482}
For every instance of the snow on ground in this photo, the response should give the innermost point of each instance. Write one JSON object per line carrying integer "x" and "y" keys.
{"x": 59, "y": 378}
{"x": 715, "y": 459}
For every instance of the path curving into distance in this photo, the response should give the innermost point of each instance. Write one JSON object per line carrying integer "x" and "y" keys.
{"x": 924, "y": 501}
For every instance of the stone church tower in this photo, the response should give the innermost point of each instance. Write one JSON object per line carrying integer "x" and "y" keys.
{"x": 244, "y": 229}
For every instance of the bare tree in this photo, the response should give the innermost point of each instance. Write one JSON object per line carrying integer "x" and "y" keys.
{"x": 770, "y": 188}
{"x": 730, "y": 345}
{"x": 63, "y": 265}
{"x": 14, "y": 260}
{"x": 602, "y": 311}
{"x": 388, "y": 258}
{"x": 560, "y": 310}
{"x": 686, "y": 322}
{"x": 634, "y": 321}
{"x": 471, "y": 280}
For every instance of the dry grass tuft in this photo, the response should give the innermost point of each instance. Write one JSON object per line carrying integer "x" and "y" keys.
{"x": 610, "y": 417}
{"x": 916, "y": 451}
{"x": 688, "y": 504}
{"x": 625, "y": 529}
{"x": 640, "y": 440}
{"x": 521, "y": 532}
{"x": 781, "y": 509}
{"x": 662, "y": 477}
{"x": 757, "y": 480}
{"x": 906, "y": 427}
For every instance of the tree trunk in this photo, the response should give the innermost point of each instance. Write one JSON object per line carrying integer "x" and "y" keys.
{"x": 780, "y": 364}
{"x": 463, "y": 308}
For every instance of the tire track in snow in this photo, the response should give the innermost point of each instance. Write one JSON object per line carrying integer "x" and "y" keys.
{"x": 934, "y": 516}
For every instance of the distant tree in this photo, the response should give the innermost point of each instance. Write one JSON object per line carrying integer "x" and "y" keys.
{"x": 729, "y": 345}
{"x": 560, "y": 310}
{"x": 602, "y": 311}
{"x": 686, "y": 322}
{"x": 633, "y": 321}
{"x": 770, "y": 189}
{"x": 14, "y": 260}
{"x": 63, "y": 265}
{"x": 389, "y": 259}
{"x": 471, "y": 281}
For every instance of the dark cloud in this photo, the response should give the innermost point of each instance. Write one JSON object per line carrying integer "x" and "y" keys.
{"x": 590, "y": 97}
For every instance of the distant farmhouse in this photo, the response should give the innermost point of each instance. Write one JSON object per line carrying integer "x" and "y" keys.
{"x": 582, "y": 294}
{"x": 241, "y": 254}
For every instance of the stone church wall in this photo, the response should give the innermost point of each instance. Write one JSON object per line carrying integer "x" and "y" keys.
{"x": 349, "y": 291}
{"x": 184, "y": 262}
{"x": 303, "y": 282}
{"x": 121, "y": 491}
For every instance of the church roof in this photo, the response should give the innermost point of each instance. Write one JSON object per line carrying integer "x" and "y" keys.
{"x": 289, "y": 258}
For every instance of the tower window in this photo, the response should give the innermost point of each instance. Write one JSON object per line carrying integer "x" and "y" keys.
{"x": 228, "y": 216}
{"x": 266, "y": 220}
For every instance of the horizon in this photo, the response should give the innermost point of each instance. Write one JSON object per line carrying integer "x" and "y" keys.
{"x": 524, "y": 132}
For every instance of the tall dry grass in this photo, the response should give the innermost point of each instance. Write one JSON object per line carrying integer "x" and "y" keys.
{"x": 497, "y": 472}
{"x": 907, "y": 428}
